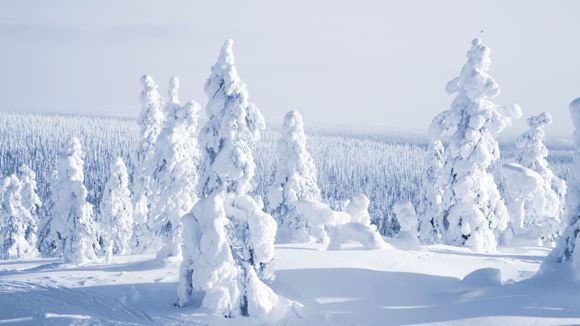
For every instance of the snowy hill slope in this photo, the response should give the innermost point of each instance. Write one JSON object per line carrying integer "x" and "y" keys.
{"x": 347, "y": 287}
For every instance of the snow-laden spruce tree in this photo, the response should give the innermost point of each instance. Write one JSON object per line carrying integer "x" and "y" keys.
{"x": 70, "y": 231}
{"x": 228, "y": 241}
{"x": 473, "y": 212}
{"x": 535, "y": 195}
{"x": 566, "y": 248}
{"x": 295, "y": 180}
{"x": 17, "y": 225}
{"x": 429, "y": 210}
{"x": 30, "y": 198}
{"x": 175, "y": 163}
{"x": 151, "y": 121}
{"x": 116, "y": 210}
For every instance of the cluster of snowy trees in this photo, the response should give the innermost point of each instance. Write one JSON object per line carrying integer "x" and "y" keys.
{"x": 461, "y": 202}
{"x": 191, "y": 195}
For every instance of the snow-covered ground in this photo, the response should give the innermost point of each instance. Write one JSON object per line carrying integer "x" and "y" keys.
{"x": 347, "y": 287}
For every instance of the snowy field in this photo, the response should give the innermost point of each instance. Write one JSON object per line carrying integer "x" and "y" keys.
{"x": 347, "y": 287}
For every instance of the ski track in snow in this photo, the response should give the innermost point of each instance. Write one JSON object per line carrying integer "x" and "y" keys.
{"x": 347, "y": 287}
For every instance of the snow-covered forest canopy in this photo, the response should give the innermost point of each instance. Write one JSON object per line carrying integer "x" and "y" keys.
{"x": 385, "y": 165}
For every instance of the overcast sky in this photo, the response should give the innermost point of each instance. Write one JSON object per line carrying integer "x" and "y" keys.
{"x": 363, "y": 63}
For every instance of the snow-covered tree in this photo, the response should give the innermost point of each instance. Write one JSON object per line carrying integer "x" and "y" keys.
{"x": 116, "y": 211}
{"x": 295, "y": 180}
{"x": 228, "y": 240}
{"x": 17, "y": 225}
{"x": 70, "y": 232}
{"x": 407, "y": 238}
{"x": 473, "y": 213}
{"x": 533, "y": 155}
{"x": 566, "y": 248}
{"x": 174, "y": 176}
{"x": 429, "y": 209}
{"x": 536, "y": 194}
{"x": 151, "y": 121}
{"x": 30, "y": 199}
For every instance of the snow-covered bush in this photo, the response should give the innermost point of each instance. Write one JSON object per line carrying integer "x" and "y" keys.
{"x": 174, "y": 174}
{"x": 537, "y": 209}
{"x": 117, "y": 211}
{"x": 70, "y": 230}
{"x": 151, "y": 121}
{"x": 295, "y": 180}
{"x": 17, "y": 224}
{"x": 473, "y": 212}
{"x": 429, "y": 209}
{"x": 565, "y": 249}
{"x": 408, "y": 237}
{"x": 353, "y": 224}
{"x": 227, "y": 238}
{"x": 358, "y": 209}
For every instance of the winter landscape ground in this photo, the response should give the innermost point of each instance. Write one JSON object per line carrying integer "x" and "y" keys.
{"x": 191, "y": 214}
{"x": 347, "y": 287}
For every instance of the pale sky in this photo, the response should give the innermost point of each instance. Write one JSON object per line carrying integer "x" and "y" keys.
{"x": 343, "y": 63}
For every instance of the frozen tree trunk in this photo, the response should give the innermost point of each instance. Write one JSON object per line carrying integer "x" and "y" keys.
{"x": 176, "y": 161}
{"x": 228, "y": 245}
{"x": 117, "y": 211}
{"x": 473, "y": 213}
{"x": 295, "y": 180}
{"x": 151, "y": 120}
{"x": 18, "y": 226}
{"x": 429, "y": 210}
{"x": 565, "y": 249}
{"x": 70, "y": 232}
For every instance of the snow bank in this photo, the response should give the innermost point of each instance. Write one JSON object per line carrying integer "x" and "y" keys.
{"x": 483, "y": 277}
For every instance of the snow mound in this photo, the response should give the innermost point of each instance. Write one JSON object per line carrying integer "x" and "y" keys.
{"x": 483, "y": 277}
